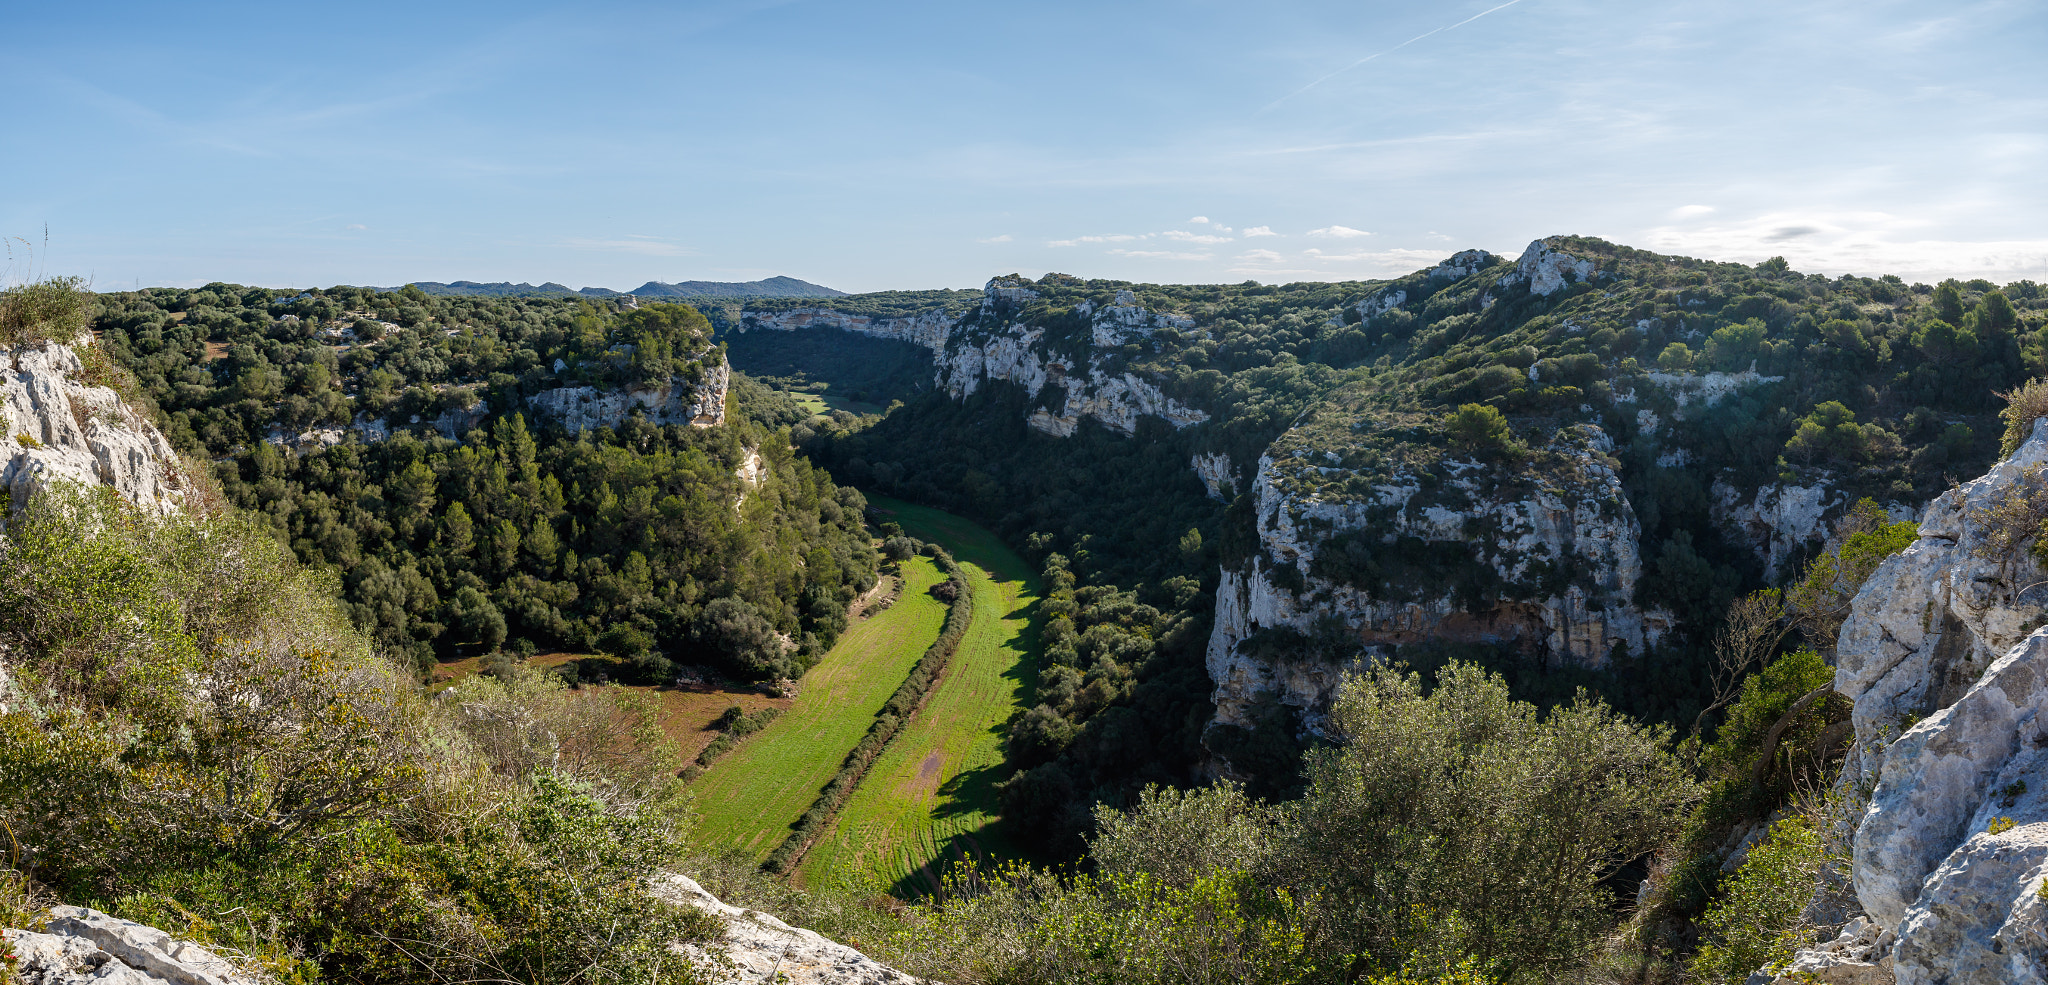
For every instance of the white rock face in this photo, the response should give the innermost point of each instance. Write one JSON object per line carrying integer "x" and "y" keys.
{"x": 86, "y": 946}
{"x": 760, "y": 948}
{"x": 53, "y": 428}
{"x": 1547, "y": 271}
{"x": 579, "y": 408}
{"x": 1778, "y": 521}
{"x": 1859, "y": 955}
{"x": 1942, "y": 636}
{"x": 1592, "y": 531}
{"x": 1461, "y": 265}
{"x": 1218, "y": 474}
{"x": 1382, "y": 302}
{"x": 929, "y": 329}
{"x": 1708, "y": 389}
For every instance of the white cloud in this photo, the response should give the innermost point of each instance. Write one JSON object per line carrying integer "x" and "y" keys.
{"x": 1259, "y": 231}
{"x": 1258, "y": 256}
{"x": 355, "y": 225}
{"x": 1690, "y": 211}
{"x": 1188, "y": 237}
{"x": 1004, "y": 238}
{"x": 1339, "y": 232}
{"x": 1204, "y": 220}
{"x": 1078, "y": 240}
{"x": 1161, "y": 255}
{"x": 643, "y": 245}
{"x": 1863, "y": 243}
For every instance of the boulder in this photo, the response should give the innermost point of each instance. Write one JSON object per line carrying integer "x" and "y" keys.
{"x": 83, "y": 945}
{"x": 759, "y": 948}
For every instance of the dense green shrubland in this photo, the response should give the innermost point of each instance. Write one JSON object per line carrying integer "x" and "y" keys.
{"x": 195, "y": 737}
{"x": 623, "y": 540}
{"x": 1454, "y": 835}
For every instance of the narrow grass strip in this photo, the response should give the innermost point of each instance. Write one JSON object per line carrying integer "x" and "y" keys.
{"x": 909, "y": 696}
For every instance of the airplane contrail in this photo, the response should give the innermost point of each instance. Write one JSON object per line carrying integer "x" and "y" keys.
{"x": 1389, "y": 51}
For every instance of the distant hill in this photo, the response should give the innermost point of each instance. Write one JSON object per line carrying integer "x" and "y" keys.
{"x": 773, "y": 287}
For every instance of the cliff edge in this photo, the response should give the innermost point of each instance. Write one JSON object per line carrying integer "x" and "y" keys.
{"x": 1946, "y": 660}
{"x": 54, "y": 426}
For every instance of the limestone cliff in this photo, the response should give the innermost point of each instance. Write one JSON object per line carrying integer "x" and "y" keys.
{"x": 56, "y": 427}
{"x": 1466, "y": 552}
{"x": 700, "y": 403}
{"x": 997, "y": 342}
{"x": 1947, "y": 665}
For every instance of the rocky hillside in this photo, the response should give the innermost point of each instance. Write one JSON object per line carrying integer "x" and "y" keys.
{"x": 1673, "y": 430}
{"x": 55, "y": 425}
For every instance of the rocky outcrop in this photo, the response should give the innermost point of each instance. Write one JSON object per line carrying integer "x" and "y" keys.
{"x": 1579, "y": 522}
{"x": 1218, "y": 474}
{"x": 55, "y": 428}
{"x": 1948, "y": 672}
{"x": 1547, "y": 270}
{"x": 700, "y": 403}
{"x": 80, "y": 946}
{"x": 759, "y": 948}
{"x": 1778, "y": 522}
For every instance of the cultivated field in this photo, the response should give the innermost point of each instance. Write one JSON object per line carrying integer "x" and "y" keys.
{"x": 932, "y": 794}
{"x": 749, "y": 798}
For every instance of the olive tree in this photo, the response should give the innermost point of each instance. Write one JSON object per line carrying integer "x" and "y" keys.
{"x": 1457, "y": 810}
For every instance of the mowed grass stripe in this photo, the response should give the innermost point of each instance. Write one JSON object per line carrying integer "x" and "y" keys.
{"x": 750, "y": 798}
{"x": 932, "y": 793}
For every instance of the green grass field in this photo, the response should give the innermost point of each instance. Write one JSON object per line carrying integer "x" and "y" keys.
{"x": 932, "y": 794}
{"x": 749, "y": 798}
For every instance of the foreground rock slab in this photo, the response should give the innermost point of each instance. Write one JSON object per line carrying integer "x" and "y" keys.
{"x": 83, "y": 945}
{"x": 760, "y": 948}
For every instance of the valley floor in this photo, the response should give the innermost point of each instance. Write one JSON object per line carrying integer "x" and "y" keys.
{"x": 931, "y": 797}
{"x": 749, "y": 799}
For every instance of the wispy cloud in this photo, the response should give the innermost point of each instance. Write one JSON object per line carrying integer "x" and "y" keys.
{"x": 1188, "y": 237}
{"x": 1259, "y": 231}
{"x": 1262, "y": 256}
{"x": 1338, "y": 232}
{"x": 1691, "y": 211}
{"x": 355, "y": 225}
{"x": 1389, "y": 51}
{"x": 1201, "y": 219}
{"x": 1004, "y": 238}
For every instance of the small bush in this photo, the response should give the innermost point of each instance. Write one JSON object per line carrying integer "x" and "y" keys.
{"x": 2026, "y": 404}
{"x": 1757, "y": 923}
{"x": 55, "y": 309}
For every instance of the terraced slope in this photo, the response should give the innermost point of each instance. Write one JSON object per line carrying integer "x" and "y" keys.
{"x": 750, "y": 798}
{"x": 932, "y": 794}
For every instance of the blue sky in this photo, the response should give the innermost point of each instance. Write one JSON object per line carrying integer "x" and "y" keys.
{"x": 870, "y": 146}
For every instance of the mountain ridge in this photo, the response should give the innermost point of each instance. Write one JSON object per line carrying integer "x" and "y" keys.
{"x": 768, "y": 287}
